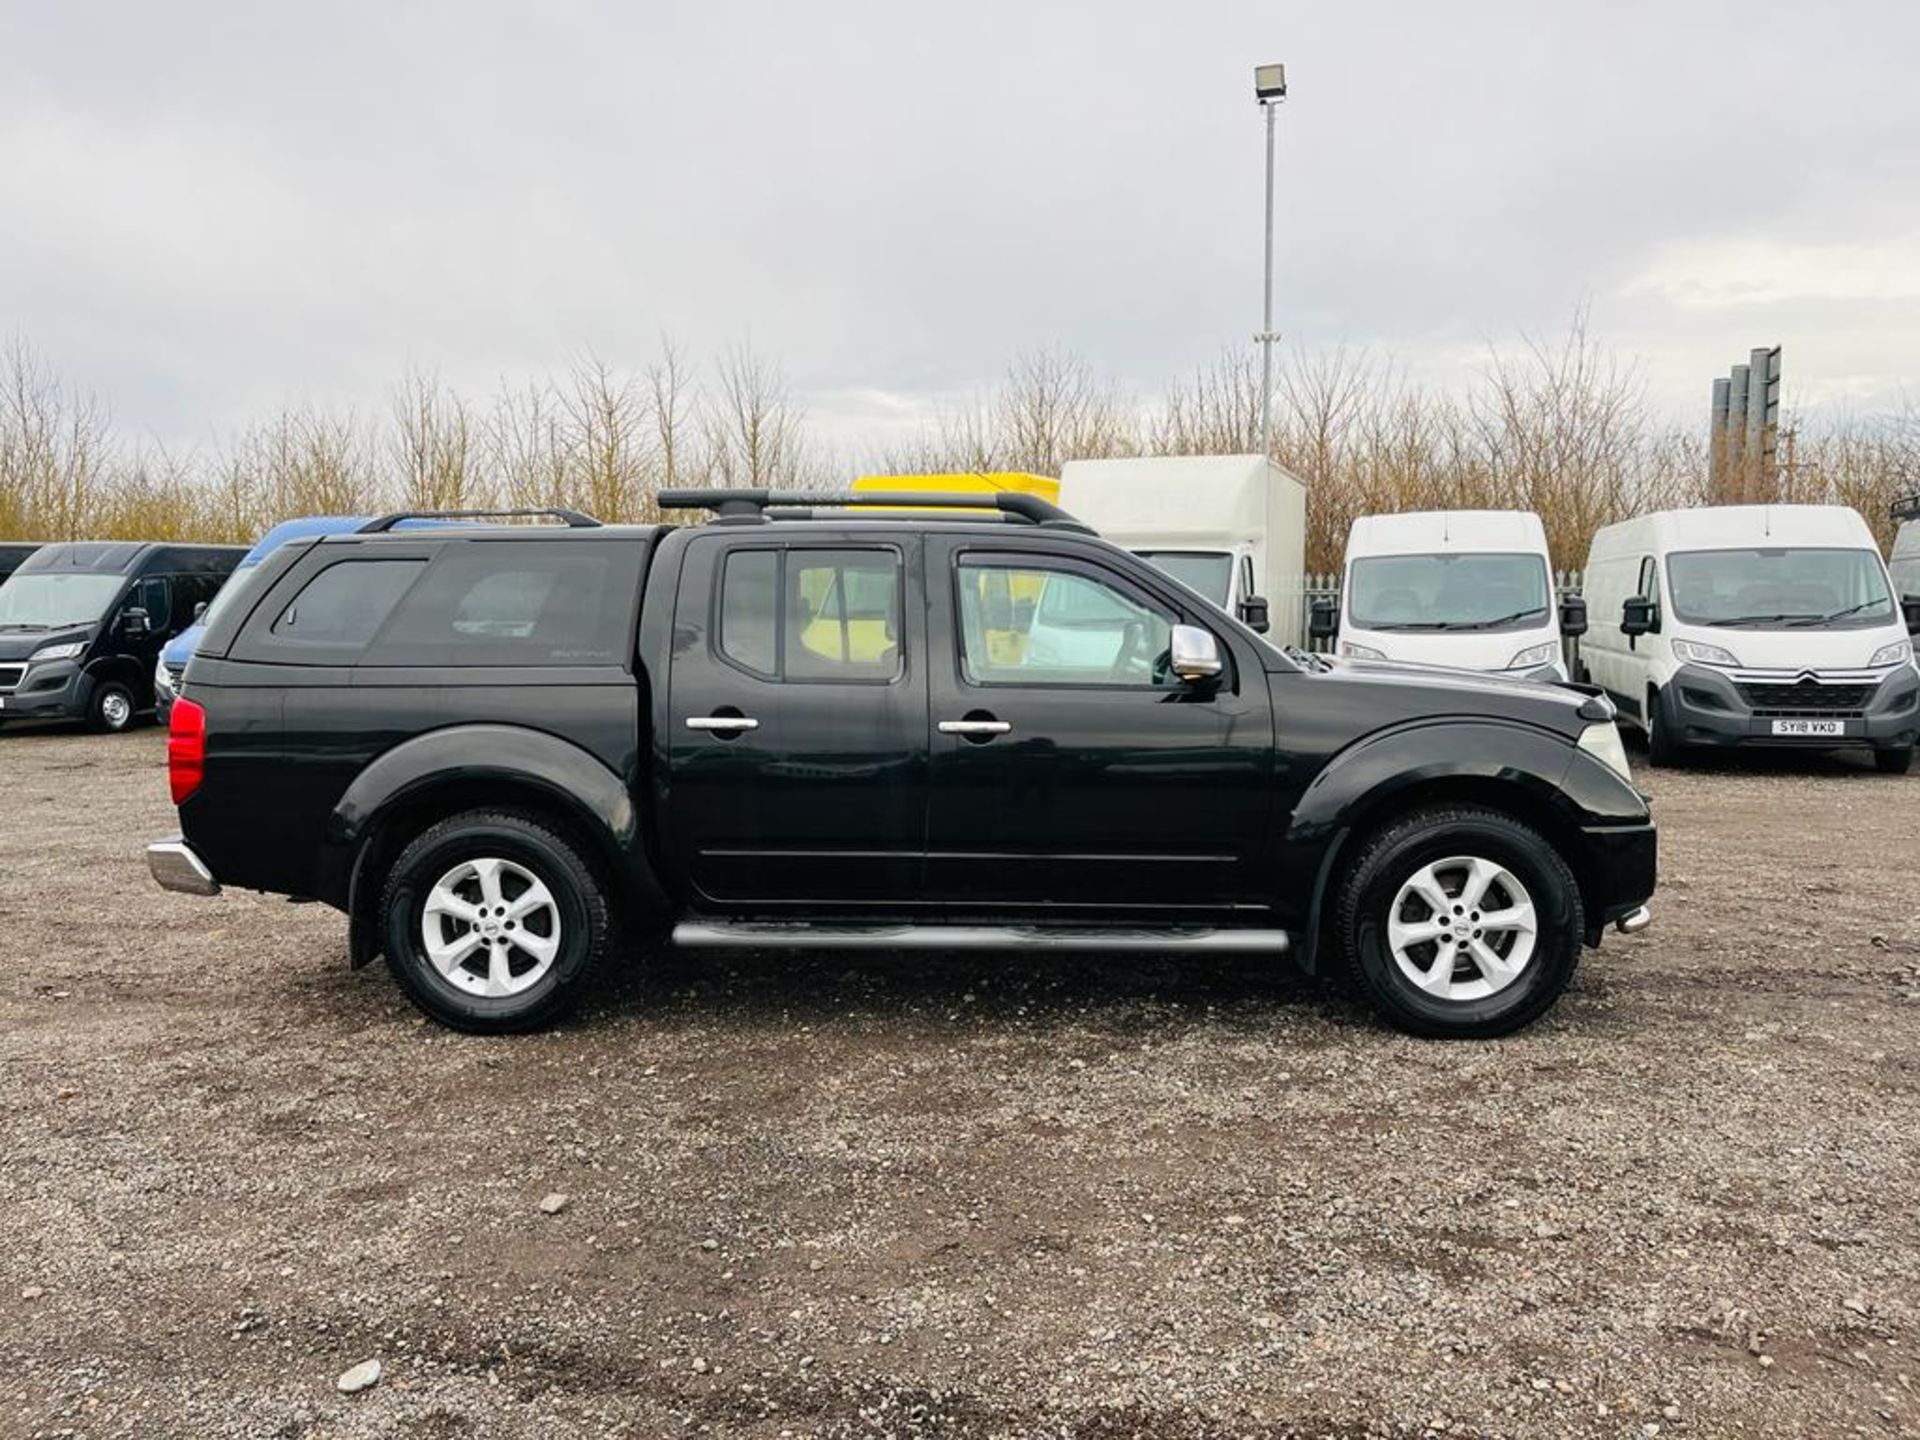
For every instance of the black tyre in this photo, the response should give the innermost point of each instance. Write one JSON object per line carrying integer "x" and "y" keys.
{"x": 1893, "y": 762}
{"x": 1434, "y": 916}
{"x": 1662, "y": 747}
{"x": 111, "y": 709}
{"x": 495, "y": 921}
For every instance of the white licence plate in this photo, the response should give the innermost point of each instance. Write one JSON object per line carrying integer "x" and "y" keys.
{"x": 1810, "y": 727}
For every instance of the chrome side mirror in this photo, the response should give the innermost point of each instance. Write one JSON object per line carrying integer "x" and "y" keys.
{"x": 1194, "y": 655}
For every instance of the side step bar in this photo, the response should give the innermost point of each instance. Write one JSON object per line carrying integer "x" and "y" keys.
{"x": 773, "y": 935}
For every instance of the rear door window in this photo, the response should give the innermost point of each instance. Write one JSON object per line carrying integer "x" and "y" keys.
{"x": 811, "y": 614}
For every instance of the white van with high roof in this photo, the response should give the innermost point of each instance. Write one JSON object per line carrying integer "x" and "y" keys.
{"x": 1472, "y": 589}
{"x": 1753, "y": 625}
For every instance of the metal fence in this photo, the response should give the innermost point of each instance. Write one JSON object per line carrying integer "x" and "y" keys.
{"x": 1327, "y": 587}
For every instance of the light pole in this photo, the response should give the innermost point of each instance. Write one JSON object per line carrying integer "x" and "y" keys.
{"x": 1269, "y": 88}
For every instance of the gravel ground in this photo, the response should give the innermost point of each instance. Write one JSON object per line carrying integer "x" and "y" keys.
{"x": 863, "y": 1196}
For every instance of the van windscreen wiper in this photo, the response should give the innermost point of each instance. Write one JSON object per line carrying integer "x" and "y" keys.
{"x": 1812, "y": 620}
{"x": 1498, "y": 619}
{"x": 1762, "y": 619}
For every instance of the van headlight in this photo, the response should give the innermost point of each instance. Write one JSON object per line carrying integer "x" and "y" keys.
{"x": 58, "y": 652}
{"x": 1603, "y": 742}
{"x": 162, "y": 681}
{"x": 1535, "y": 655}
{"x": 1361, "y": 652}
{"x": 1705, "y": 654}
{"x": 1891, "y": 654}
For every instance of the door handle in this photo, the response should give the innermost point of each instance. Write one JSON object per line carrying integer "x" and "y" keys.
{"x": 975, "y": 727}
{"x": 725, "y": 724}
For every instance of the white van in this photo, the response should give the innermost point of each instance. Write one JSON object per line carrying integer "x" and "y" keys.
{"x": 1467, "y": 588}
{"x": 1904, "y": 562}
{"x": 1232, "y": 527}
{"x": 1753, "y": 625}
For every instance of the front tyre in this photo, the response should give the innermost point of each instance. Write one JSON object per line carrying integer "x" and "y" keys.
{"x": 111, "y": 710}
{"x": 1460, "y": 922}
{"x": 495, "y": 921}
{"x": 1893, "y": 762}
{"x": 1663, "y": 746}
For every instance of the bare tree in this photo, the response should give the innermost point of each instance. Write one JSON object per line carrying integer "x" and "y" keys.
{"x": 755, "y": 431}
{"x": 432, "y": 446}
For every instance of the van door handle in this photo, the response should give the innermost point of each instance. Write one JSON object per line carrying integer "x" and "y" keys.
{"x": 725, "y": 724}
{"x": 975, "y": 727}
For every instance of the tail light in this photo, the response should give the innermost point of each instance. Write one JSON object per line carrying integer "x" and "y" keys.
{"x": 186, "y": 748}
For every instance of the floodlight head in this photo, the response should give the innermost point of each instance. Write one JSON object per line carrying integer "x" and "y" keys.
{"x": 1269, "y": 83}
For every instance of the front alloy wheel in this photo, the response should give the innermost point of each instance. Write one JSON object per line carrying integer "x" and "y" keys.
{"x": 1459, "y": 921}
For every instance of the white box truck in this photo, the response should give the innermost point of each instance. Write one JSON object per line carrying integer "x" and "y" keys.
{"x": 1753, "y": 625}
{"x": 1232, "y": 527}
{"x": 1471, "y": 589}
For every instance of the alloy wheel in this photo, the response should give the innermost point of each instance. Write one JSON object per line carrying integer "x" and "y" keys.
{"x": 1462, "y": 928}
{"x": 491, "y": 927}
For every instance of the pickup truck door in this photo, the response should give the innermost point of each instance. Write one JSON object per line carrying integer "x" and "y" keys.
{"x": 796, "y": 719}
{"x": 1067, "y": 768}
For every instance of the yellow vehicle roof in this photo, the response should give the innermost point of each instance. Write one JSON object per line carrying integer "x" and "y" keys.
{"x": 971, "y": 482}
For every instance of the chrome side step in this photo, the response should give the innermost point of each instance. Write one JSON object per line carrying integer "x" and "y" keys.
{"x": 776, "y": 935}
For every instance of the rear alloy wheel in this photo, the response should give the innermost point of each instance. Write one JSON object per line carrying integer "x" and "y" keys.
{"x": 1893, "y": 762}
{"x": 111, "y": 709}
{"x": 1460, "y": 922}
{"x": 494, "y": 921}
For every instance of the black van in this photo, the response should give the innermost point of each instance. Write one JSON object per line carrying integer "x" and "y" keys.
{"x": 11, "y": 554}
{"x": 82, "y": 625}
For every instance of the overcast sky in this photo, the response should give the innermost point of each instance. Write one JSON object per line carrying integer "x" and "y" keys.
{"x": 211, "y": 210}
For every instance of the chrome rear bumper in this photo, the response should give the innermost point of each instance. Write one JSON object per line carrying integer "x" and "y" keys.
{"x": 176, "y": 867}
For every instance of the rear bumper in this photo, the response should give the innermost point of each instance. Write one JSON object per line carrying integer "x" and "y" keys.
{"x": 1623, "y": 871}
{"x": 175, "y": 866}
{"x": 1709, "y": 707}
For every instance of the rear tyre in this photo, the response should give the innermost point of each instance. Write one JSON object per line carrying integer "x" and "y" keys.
{"x": 1662, "y": 747}
{"x": 495, "y": 921}
{"x": 1460, "y": 922}
{"x": 111, "y": 709}
{"x": 1893, "y": 762}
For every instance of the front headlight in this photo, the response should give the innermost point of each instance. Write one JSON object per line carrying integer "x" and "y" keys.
{"x": 1704, "y": 654}
{"x": 162, "y": 681}
{"x": 59, "y": 652}
{"x": 1360, "y": 652}
{"x": 1892, "y": 654}
{"x": 1534, "y": 655}
{"x": 1602, "y": 741}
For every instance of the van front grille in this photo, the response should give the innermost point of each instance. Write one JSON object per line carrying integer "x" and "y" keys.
{"x": 10, "y": 675}
{"x": 1807, "y": 698}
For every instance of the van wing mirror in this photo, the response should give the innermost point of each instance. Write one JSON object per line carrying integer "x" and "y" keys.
{"x": 199, "y": 612}
{"x": 1573, "y": 616}
{"x": 1910, "y": 607}
{"x": 1323, "y": 620}
{"x": 1639, "y": 616}
{"x": 133, "y": 620}
{"x": 1253, "y": 614}
{"x": 1193, "y": 654}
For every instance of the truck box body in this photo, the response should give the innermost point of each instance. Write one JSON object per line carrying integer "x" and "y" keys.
{"x": 1230, "y": 526}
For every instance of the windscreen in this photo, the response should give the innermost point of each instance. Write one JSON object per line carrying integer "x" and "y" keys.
{"x": 1208, "y": 572}
{"x": 1801, "y": 589}
{"x": 1447, "y": 592}
{"x": 52, "y": 600}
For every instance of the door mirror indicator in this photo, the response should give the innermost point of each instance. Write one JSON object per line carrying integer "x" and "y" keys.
{"x": 1573, "y": 616}
{"x": 1253, "y": 614}
{"x": 1194, "y": 654}
{"x": 1639, "y": 616}
{"x": 1323, "y": 620}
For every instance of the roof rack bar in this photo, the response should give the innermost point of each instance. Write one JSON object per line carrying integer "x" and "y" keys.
{"x": 1907, "y": 507}
{"x": 574, "y": 519}
{"x": 731, "y": 503}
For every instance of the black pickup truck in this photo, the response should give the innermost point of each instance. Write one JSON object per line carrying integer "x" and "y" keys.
{"x": 842, "y": 721}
